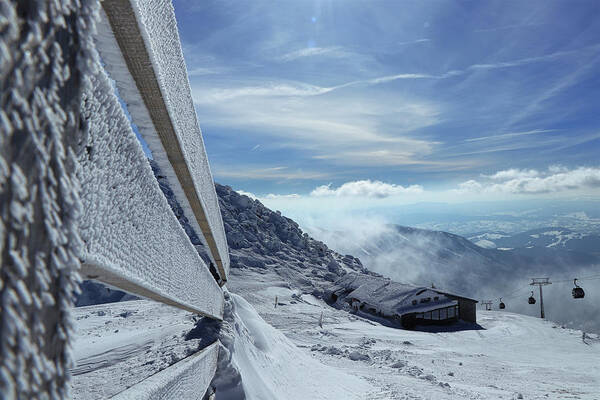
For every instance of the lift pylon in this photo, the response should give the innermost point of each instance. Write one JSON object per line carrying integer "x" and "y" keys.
{"x": 541, "y": 282}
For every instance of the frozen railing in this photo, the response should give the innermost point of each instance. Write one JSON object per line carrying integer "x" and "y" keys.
{"x": 139, "y": 42}
{"x": 188, "y": 379}
{"x": 77, "y": 189}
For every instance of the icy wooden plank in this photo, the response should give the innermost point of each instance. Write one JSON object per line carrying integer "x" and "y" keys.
{"x": 152, "y": 78}
{"x": 131, "y": 238}
{"x": 43, "y": 49}
{"x": 187, "y": 379}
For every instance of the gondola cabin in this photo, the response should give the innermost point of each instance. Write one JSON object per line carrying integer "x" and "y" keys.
{"x": 577, "y": 291}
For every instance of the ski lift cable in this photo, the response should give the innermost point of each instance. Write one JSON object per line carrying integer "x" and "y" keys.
{"x": 514, "y": 293}
{"x": 585, "y": 278}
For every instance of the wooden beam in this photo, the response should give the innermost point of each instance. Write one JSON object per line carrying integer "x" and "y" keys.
{"x": 186, "y": 379}
{"x": 131, "y": 238}
{"x": 181, "y": 139}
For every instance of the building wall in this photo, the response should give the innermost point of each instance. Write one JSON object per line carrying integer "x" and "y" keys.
{"x": 467, "y": 310}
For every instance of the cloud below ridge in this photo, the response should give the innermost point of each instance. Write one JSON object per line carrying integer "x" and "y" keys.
{"x": 365, "y": 188}
{"x": 515, "y": 181}
{"x": 501, "y": 184}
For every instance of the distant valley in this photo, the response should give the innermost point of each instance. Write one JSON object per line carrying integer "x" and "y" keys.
{"x": 487, "y": 265}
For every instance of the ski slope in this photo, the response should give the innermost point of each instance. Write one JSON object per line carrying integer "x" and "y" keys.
{"x": 282, "y": 353}
{"x": 512, "y": 356}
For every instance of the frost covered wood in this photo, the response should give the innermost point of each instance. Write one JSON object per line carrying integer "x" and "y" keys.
{"x": 187, "y": 378}
{"x": 43, "y": 48}
{"x": 132, "y": 239}
{"x": 75, "y": 185}
{"x": 150, "y": 72}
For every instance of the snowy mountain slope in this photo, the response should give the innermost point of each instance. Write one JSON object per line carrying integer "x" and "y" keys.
{"x": 282, "y": 353}
{"x": 451, "y": 261}
{"x": 263, "y": 240}
{"x": 512, "y": 356}
{"x": 272, "y": 367}
{"x": 456, "y": 264}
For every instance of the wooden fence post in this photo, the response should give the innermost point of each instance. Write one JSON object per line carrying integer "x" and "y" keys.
{"x": 43, "y": 48}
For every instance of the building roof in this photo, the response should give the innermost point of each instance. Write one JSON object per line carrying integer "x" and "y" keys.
{"x": 455, "y": 295}
{"x": 389, "y": 297}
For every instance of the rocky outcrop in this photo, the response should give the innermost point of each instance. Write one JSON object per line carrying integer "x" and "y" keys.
{"x": 260, "y": 238}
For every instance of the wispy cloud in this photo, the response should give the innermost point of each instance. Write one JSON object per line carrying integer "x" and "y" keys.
{"x": 561, "y": 84}
{"x": 301, "y": 89}
{"x": 278, "y": 173}
{"x": 266, "y": 89}
{"x": 391, "y": 78}
{"x": 507, "y": 27}
{"x": 396, "y": 157}
{"x": 336, "y": 52}
{"x": 474, "y": 67}
{"x": 201, "y": 71}
{"x": 340, "y": 129}
{"x": 510, "y": 135}
{"x": 394, "y": 99}
{"x": 423, "y": 40}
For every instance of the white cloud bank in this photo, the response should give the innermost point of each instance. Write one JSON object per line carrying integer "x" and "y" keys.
{"x": 520, "y": 181}
{"x": 502, "y": 185}
{"x": 365, "y": 188}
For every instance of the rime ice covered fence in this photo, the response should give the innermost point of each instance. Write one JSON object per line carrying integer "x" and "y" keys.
{"x": 139, "y": 41}
{"x": 186, "y": 379}
{"x": 77, "y": 189}
{"x": 42, "y": 47}
{"x": 131, "y": 238}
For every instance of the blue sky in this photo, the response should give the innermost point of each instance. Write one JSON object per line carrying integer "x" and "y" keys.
{"x": 417, "y": 100}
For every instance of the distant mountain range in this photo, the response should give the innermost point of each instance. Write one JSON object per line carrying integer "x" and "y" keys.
{"x": 551, "y": 237}
{"x": 454, "y": 262}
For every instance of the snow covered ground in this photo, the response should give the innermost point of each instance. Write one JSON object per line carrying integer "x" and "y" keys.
{"x": 282, "y": 353}
{"x": 119, "y": 344}
{"x": 513, "y": 356}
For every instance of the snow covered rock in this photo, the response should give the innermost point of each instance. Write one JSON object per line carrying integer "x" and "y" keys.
{"x": 358, "y": 356}
{"x": 260, "y": 238}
